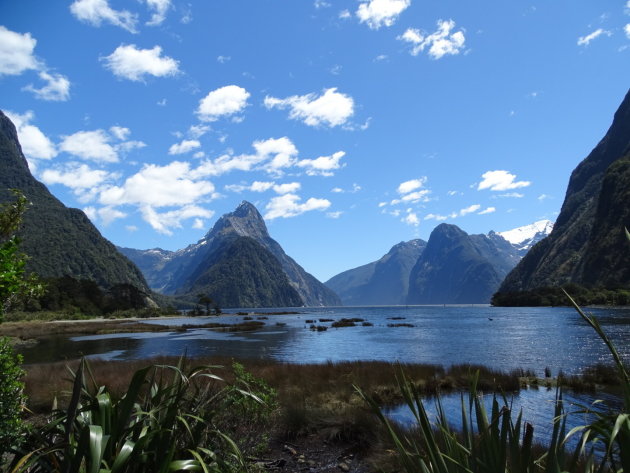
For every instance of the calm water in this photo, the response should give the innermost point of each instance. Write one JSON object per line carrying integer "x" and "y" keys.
{"x": 503, "y": 338}
{"x": 537, "y": 406}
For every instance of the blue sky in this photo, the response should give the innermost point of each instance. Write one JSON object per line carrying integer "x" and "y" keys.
{"x": 351, "y": 125}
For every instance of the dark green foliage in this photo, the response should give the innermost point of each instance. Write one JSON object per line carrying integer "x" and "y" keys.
{"x": 74, "y": 296}
{"x": 587, "y": 244}
{"x": 555, "y": 296}
{"x": 242, "y": 273}
{"x": 164, "y": 422}
{"x": 58, "y": 241}
{"x": 15, "y": 285}
{"x": 381, "y": 282}
{"x": 11, "y": 397}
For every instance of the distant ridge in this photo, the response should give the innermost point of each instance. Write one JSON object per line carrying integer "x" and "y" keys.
{"x": 382, "y": 282}
{"x": 457, "y": 268}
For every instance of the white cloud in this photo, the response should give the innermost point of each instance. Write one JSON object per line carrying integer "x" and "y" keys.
{"x": 411, "y": 219}
{"x": 223, "y": 59}
{"x": 198, "y": 224}
{"x": 470, "y": 209}
{"x": 166, "y": 221}
{"x": 331, "y": 109}
{"x": 287, "y": 188}
{"x": 131, "y": 228}
{"x": 159, "y": 7}
{"x": 322, "y": 166}
{"x": 16, "y": 52}
{"x": 120, "y": 132}
{"x": 288, "y": 205}
{"x": 94, "y": 145}
{"x": 411, "y": 185}
{"x": 129, "y": 62}
{"x": 109, "y": 214}
{"x": 321, "y": 4}
{"x": 16, "y": 57}
{"x": 512, "y": 195}
{"x": 542, "y": 197}
{"x": 438, "y": 44}
{"x": 105, "y": 214}
{"x": 57, "y": 89}
{"x": 336, "y": 190}
{"x": 488, "y": 210}
{"x": 416, "y": 196}
{"x": 95, "y": 12}
{"x": 75, "y": 176}
{"x": 197, "y": 131}
{"x": 334, "y": 215}
{"x": 439, "y": 218}
{"x": 500, "y": 181}
{"x": 35, "y": 145}
{"x": 377, "y": 13}
{"x": 263, "y": 186}
{"x": 224, "y": 101}
{"x": 586, "y": 40}
{"x": 184, "y": 147}
{"x": 159, "y": 186}
{"x": 345, "y": 14}
{"x": 627, "y": 30}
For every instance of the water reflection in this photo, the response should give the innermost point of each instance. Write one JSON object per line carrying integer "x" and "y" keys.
{"x": 501, "y": 338}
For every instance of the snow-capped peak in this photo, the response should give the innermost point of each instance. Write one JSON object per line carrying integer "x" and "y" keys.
{"x": 524, "y": 236}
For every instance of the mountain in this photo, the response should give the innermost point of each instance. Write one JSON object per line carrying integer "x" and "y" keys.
{"x": 457, "y": 268}
{"x": 239, "y": 272}
{"x": 179, "y": 272}
{"x": 382, "y": 282}
{"x": 587, "y": 246}
{"x": 523, "y": 238}
{"x": 58, "y": 240}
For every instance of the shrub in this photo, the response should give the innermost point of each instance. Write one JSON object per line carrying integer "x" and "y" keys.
{"x": 12, "y": 397}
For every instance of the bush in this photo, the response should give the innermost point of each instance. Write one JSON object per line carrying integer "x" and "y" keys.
{"x": 11, "y": 397}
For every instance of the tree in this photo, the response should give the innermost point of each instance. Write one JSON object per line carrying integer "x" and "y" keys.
{"x": 205, "y": 300}
{"x": 15, "y": 284}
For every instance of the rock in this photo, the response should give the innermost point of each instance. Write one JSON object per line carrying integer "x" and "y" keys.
{"x": 343, "y": 466}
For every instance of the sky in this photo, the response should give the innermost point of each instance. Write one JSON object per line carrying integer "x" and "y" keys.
{"x": 352, "y": 125}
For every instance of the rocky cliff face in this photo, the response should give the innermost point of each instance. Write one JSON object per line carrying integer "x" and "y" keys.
{"x": 58, "y": 240}
{"x": 587, "y": 245}
{"x": 382, "y": 282}
{"x": 457, "y": 268}
{"x": 174, "y": 273}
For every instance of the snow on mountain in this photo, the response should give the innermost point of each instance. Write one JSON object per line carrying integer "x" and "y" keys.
{"x": 526, "y": 236}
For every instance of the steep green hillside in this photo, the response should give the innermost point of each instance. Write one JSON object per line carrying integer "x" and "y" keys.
{"x": 587, "y": 245}
{"x": 240, "y": 272}
{"x": 59, "y": 241}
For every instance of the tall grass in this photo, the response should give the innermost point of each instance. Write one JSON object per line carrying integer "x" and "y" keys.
{"x": 500, "y": 442}
{"x": 163, "y": 423}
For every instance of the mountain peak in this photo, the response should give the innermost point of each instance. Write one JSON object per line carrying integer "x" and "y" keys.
{"x": 526, "y": 236}
{"x": 7, "y": 128}
{"x": 245, "y": 220}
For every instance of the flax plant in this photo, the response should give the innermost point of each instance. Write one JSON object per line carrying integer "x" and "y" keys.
{"x": 163, "y": 423}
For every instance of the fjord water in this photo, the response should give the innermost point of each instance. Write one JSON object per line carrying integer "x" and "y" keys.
{"x": 501, "y": 338}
